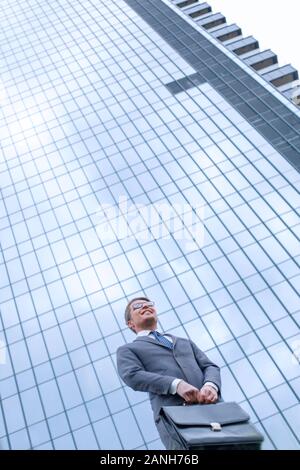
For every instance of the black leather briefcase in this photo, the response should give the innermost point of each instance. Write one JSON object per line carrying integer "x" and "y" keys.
{"x": 223, "y": 426}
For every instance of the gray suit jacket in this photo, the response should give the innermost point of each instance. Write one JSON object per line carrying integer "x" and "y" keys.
{"x": 148, "y": 366}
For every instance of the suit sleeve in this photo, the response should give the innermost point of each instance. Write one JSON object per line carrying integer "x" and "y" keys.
{"x": 133, "y": 373}
{"x": 211, "y": 371}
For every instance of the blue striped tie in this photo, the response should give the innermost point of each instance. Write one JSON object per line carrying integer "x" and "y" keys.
{"x": 162, "y": 339}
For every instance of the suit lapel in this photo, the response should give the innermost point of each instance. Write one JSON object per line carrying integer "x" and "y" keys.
{"x": 174, "y": 338}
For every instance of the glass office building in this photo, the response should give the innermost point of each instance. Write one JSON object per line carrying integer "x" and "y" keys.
{"x": 105, "y": 101}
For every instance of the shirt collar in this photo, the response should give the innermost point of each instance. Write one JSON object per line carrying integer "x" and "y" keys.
{"x": 144, "y": 333}
{"x": 147, "y": 333}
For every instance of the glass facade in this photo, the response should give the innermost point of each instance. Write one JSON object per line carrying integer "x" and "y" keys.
{"x": 95, "y": 108}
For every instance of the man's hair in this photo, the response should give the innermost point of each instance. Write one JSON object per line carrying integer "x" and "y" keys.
{"x": 127, "y": 309}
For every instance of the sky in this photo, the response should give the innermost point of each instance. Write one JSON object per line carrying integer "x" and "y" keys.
{"x": 274, "y": 24}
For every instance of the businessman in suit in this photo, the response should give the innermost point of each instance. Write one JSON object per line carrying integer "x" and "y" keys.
{"x": 173, "y": 370}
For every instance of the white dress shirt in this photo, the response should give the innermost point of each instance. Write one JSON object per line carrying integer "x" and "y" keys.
{"x": 175, "y": 383}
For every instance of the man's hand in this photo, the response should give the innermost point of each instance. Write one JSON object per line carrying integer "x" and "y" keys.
{"x": 207, "y": 395}
{"x": 188, "y": 392}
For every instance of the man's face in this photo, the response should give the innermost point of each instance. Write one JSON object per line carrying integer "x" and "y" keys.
{"x": 143, "y": 316}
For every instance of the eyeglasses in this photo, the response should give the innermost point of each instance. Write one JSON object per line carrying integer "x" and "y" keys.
{"x": 138, "y": 305}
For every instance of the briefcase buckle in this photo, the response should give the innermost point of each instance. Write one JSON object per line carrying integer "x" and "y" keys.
{"x": 216, "y": 427}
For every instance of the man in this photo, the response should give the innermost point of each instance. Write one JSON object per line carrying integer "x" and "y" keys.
{"x": 172, "y": 370}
